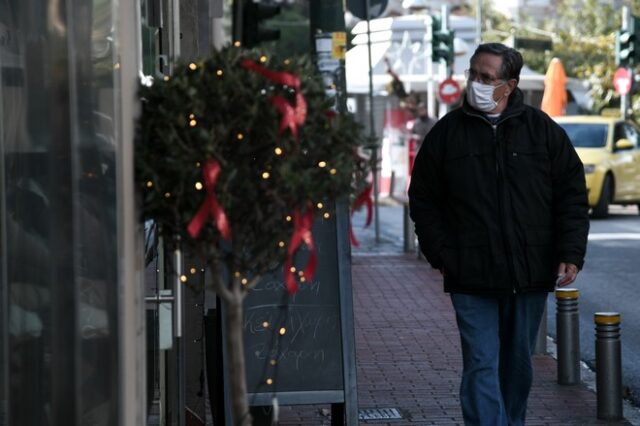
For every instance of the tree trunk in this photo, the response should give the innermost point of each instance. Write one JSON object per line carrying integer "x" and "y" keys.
{"x": 237, "y": 372}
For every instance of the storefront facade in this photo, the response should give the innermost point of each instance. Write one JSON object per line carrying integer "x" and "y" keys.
{"x": 70, "y": 317}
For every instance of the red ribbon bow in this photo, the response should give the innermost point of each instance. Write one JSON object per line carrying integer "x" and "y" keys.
{"x": 362, "y": 199}
{"x": 210, "y": 206}
{"x": 301, "y": 233}
{"x": 292, "y": 117}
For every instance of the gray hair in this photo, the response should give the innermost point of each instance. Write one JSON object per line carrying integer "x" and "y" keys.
{"x": 511, "y": 59}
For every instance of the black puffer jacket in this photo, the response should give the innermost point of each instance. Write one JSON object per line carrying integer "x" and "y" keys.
{"x": 499, "y": 207}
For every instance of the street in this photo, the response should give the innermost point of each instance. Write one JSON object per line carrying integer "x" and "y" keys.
{"x": 609, "y": 282}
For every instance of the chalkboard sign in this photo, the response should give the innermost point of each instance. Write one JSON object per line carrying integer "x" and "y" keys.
{"x": 315, "y": 356}
{"x": 309, "y": 354}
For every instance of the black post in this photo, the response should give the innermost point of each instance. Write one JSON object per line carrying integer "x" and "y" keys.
{"x": 327, "y": 23}
{"x": 236, "y": 25}
{"x": 327, "y": 17}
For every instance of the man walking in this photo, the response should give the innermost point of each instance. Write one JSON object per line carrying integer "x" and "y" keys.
{"x": 499, "y": 202}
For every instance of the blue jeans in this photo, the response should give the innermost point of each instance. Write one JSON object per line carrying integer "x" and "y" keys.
{"x": 498, "y": 337}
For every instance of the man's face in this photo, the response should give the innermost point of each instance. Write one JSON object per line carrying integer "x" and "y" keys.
{"x": 486, "y": 69}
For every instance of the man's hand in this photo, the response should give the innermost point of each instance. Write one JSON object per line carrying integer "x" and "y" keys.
{"x": 567, "y": 273}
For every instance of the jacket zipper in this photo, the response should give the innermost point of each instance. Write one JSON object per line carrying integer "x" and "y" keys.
{"x": 501, "y": 207}
{"x": 505, "y": 241}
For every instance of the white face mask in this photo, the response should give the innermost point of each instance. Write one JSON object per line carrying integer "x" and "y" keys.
{"x": 480, "y": 96}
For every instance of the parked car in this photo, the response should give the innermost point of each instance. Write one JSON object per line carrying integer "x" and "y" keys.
{"x": 608, "y": 148}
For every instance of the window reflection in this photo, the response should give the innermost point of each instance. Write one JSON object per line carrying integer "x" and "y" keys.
{"x": 59, "y": 272}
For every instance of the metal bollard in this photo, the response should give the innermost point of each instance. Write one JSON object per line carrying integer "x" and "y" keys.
{"x": 608, "y": 365}
{"x": 541, "y": 339}
{"x": 568, "y": 336}
{"x": 409, "y": 233}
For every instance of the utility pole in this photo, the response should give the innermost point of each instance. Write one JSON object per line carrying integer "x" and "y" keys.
{"x": 428, "y": 42}
{"x": 624, "y": 98}
{"x": 372, "y": 131}
{"x": 327, "y": 20}
{"x": 478, "y": 22}
{"x": 444, "y": 66}
{"x": 328, "y": 38}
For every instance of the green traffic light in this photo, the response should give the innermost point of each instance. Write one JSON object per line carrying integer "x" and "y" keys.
{"x": 441, "y": 42}
{"x": 253, "y": 15}
{"x": 625, "y": 37}
{"x": 627, "y": 53}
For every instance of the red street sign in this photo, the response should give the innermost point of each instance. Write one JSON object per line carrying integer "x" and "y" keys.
{"x": 622, "y": 81}
{"x": 449, "y": 91}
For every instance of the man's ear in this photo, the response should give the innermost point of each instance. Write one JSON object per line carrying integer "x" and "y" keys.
{"x": 512, "y": 84}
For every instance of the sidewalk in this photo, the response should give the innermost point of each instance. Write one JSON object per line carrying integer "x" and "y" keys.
{"x": 408, "y": 348}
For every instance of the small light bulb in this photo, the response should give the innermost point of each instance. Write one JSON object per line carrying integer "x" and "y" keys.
{"x": 183, "y": 278}
{"x": 244, "y": 281}
{"x": 333, "y": 171}
{"x": 273, "y": 362}
{"x": 303, "y": 279}
{"x": 198, "y": 164}
{"x": 282, "y": 331}
{"x": 167, "y": 194}
{"x": 193, "y": 270}
{"x": 239, "y": 136}
{"x": 281, "y": 244}
{"x": 301, "y": 273}
{"x": 116, "y": 66}
{"x": 263, "y": 59}
{"x": 322, "y": 164}
{"x": 265, "y": 175}
{"x": 166, "y": 78}
{"x": 288, "y": 218}
{"x": 199, "y": 186}
{"x": 292, "y": 269}
{"x": 191, "y": 116}
{"x": 237, "y": 44}
{"x": 237, "y": 274}
{"x": 287, "y": 61}
{"x": 265, "y": 324}
{"x": 192, "y": 66}
{"x": 326, "y": 215}
{"x": 278, "y": 151}
{"x": 219, "y": 73}
{"x": 149, "y": 184}
{"x": 320, "y": 205}
{"x": 193, "y": 123}
{"x": 269, "y": 381}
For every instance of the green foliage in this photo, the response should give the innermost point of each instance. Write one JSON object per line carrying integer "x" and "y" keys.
{"x": 235, "y": 123}
{"x": 583, "y": 39}
{"x": 495, "y": 26}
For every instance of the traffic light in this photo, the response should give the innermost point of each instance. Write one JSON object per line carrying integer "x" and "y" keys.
{"x": 441, "y": 42}
{"x": 253, "y": 15}
{"x": 627, "y": 49}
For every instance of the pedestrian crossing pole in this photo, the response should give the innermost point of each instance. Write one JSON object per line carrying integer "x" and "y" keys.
{"x": 624, "y": 98}
{"x": 443, "y": 71}
{"x": 328, "y": 34}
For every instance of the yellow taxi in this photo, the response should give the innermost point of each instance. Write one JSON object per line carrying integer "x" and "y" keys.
{"x": 608, "y": 148}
